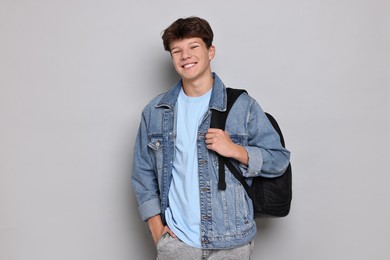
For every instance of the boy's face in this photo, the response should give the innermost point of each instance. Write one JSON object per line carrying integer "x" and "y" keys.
{"x": 191, "y": 58}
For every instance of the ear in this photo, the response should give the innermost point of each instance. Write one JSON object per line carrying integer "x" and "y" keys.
{"x": 211, "y": 52}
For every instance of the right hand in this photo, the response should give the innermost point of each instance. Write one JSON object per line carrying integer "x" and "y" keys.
{"x": 157, "y": 229}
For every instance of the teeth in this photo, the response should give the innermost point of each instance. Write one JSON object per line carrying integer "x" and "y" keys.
{"x": 189, "y": 65}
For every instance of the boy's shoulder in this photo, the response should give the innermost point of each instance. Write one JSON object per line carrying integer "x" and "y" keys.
{"x": 152, "y": 104}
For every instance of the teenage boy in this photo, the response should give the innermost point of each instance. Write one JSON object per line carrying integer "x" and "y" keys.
{"x": 175, "y": 166}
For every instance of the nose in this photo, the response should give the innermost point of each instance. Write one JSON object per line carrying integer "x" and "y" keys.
{"x": 186, "y": 54}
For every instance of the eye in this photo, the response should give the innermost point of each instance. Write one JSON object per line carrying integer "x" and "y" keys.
{"x": 194, "y": 46}
{"x": 175, "y": 51}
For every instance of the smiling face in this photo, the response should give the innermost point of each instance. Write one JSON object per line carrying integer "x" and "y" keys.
{"x": 191, "y": 59}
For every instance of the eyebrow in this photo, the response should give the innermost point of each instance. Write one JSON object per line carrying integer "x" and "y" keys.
{"x": 176, "y": 47}
{"x": 193, "y": 42}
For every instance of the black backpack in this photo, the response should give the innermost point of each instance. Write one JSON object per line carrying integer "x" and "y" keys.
{"x": 271, "y": 197}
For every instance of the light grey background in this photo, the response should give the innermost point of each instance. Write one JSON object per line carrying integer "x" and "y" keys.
{"x": 75, "y": 75}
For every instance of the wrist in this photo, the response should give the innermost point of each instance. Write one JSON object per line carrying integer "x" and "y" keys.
{"x": 240, "y": 154}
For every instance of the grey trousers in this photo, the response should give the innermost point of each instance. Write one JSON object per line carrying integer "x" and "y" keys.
{"x": 169, "y": 248}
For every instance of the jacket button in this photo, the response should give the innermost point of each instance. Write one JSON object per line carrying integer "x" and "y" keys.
{"x": 202, "y": 161}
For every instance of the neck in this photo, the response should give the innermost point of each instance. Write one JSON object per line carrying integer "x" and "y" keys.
{"x": 196, "y": 88}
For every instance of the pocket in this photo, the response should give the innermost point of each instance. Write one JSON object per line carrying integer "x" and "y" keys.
{"x": 237, "y": 139}
{"x": 155, "y": 143}
{"x": 156, "y": 146}
{"x": 244, "y": 210}
{"x": 163, "y": 236}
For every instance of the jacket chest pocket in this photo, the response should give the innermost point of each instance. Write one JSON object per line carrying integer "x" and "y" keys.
{"x": 238, "y": 139}
{"x": 156, "y": 147}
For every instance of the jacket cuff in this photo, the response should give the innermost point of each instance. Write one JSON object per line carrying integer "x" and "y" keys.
{"x": 149, "y": 209}
{"x": 255, "y": 162}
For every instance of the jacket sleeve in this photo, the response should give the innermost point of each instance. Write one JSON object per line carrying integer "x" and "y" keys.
{"x": 267, "y": 157}
{"x": 144, "y": 175}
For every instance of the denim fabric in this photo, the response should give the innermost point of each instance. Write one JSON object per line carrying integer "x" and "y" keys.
{"x": 226, "y": 216}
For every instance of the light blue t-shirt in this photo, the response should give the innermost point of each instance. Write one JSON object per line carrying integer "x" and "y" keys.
{"x": 183, "y": 213}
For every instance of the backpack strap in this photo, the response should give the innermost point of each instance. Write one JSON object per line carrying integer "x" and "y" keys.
{"x": 218, "y": 120}
{"x": 234, "y": 170}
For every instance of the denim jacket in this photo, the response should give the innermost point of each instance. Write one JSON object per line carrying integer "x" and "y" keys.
{"x": 226, "y": 216}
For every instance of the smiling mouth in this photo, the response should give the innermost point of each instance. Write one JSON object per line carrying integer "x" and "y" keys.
{"x": 189, "y": 65}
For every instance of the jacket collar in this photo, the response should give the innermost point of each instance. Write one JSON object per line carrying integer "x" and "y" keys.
{"x": 217, "y": 101}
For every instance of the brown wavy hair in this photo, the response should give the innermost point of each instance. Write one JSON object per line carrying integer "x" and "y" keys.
{"x": 186, "y": 28}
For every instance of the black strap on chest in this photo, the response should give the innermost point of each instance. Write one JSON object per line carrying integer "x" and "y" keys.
{"x": 218, "y": 120}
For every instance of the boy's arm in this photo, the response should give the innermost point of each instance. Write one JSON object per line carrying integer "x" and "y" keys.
{"x": 219, "y": 141}
{"x": 144, "y": 179}
{"x": 157, "y": 229}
